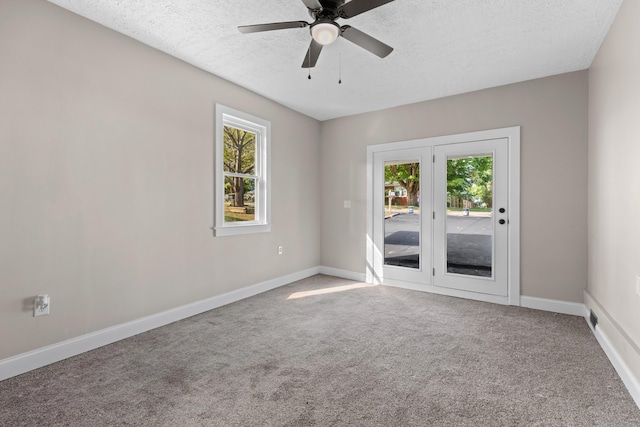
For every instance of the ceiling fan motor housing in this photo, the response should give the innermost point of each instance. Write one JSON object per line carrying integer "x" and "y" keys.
{"x": 329, "y": 10}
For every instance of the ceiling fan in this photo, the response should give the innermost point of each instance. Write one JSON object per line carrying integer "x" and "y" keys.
{"x": 325, "y": 30}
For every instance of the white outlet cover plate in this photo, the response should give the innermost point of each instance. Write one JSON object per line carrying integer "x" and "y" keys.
{"x": 42, "y": 312}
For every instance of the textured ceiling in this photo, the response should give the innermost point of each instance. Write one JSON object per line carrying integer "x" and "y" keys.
{"x": 442, "y": 47}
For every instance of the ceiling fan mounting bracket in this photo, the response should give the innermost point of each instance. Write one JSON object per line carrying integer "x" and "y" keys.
{"x": 330, "y": 10}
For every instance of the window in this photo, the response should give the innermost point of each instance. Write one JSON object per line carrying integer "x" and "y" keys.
{"x": 242, "y": 200}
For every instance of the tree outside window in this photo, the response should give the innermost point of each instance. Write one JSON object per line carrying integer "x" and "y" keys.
{"x": 407, "y": 175}
{"x": 470, "y": 180}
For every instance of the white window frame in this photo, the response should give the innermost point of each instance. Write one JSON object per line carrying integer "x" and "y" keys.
{"x": 226, "y": 116}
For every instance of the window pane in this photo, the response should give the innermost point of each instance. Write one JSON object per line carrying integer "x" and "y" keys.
{"x": 239, "y": 151}
{"x": 402, "y": 214}
{"x": 469, "y": 215}
{"x": 239, "y": 199}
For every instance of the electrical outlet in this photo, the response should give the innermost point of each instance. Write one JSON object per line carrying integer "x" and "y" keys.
{"x": 41, "y": 305}
{"x": 280, "y": 250}
{"x": 347, "y": 204}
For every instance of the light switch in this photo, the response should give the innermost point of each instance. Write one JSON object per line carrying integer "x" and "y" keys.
{"x": 347, "y": 204}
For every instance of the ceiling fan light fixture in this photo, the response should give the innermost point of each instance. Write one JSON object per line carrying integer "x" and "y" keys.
{"x": 325, "y": 32}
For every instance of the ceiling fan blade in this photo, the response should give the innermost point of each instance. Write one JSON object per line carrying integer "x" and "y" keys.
{"x": 312, "y": 4}
{"x": 273, "y": 26}
{"x": 312, "y": 55}
{"x": 365, "y": 41}
{"x": 356, "y": 7}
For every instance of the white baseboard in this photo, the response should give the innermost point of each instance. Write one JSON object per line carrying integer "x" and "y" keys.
{"x": 345, "y": 274}
{"x": 38, "y": 358}
{"x": 544, "y": 304}
{"x": 555, "y": 306}
{"x": 626, "y": 375}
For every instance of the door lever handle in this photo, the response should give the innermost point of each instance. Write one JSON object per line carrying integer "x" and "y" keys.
{"x": 502, "y": 221}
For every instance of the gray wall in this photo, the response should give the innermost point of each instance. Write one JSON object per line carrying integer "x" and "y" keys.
{"x": 553, "y": 115}
{"x": 614, "y": 185}
{"x": 106, "y": 177}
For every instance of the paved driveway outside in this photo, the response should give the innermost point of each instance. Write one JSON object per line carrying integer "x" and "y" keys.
{"x": 468, "y": 243}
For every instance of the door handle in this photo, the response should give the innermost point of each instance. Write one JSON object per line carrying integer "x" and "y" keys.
{"x": 502, "y": 221}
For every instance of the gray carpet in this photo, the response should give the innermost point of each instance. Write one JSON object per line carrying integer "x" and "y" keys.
{"x": 370, "y": 356}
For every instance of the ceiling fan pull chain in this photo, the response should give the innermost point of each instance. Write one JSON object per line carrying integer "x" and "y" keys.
{"x": 340, "y": 61}
{"x": 309, "y": 62}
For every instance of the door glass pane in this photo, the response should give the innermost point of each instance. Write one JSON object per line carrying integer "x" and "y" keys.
{"x": 469, "y": 223}
{"x": 402, "y": 214}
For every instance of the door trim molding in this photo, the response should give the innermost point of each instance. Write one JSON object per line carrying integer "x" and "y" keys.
{"x": 513, "y": 269}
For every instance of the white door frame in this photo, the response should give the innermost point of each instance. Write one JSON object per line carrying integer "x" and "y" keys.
{"x": 374, "y": 273}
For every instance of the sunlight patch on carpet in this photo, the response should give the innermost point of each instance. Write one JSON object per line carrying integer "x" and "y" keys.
{"x": 331, "y": 290}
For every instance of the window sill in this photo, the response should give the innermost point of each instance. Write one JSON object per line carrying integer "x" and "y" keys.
{"x": 232, "y": 230}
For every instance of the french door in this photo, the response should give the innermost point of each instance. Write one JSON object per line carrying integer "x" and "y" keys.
{"x": 403, "y": 219}
{"x": 470, "y": 216}
{"x": 441, "y": 213}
